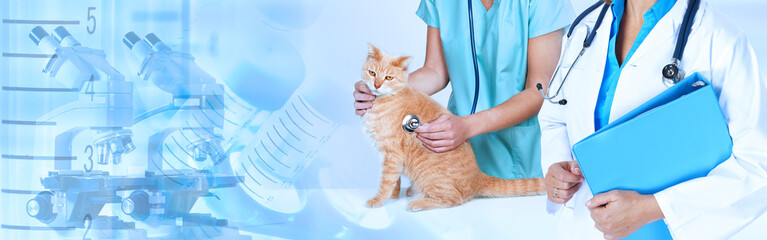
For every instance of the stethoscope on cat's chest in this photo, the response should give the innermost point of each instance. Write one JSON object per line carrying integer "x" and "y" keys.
{"x": 411, "y": 122}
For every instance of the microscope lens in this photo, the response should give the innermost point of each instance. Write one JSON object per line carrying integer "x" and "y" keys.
{"x": 156, "y": 43}
{"x": 103, "y": 152}
{"x": 37, "y": 34}
{"x": 131, "y": 39}
{"x": 60, "y": 33}
{"x": 128, "y": 144}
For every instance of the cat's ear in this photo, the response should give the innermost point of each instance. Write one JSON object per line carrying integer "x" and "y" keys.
{"x": 374, "y": 52}
{"x": 401, "y": 62}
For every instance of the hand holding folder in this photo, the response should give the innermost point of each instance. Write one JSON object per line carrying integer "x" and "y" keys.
{"x": 678, "y": 135}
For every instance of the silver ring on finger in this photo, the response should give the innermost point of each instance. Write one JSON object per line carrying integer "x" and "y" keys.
{"x": 555, "y": 192}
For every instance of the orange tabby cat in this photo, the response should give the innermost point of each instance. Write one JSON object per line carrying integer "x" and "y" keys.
{"x": 442, "y": 179}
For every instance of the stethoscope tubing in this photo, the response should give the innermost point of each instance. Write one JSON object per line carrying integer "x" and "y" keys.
{"x": 684, "y": 34}
{"x": 474, "y": 58}
{"x": 586, "y": 44}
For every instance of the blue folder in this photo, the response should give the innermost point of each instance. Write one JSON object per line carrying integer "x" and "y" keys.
{"x": 678, "y": 135}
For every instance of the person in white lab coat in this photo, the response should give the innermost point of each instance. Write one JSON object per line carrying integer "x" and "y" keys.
{"x": 641, "y": 42}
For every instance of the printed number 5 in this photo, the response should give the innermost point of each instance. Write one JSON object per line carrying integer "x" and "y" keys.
{"x": 91, "y": 17}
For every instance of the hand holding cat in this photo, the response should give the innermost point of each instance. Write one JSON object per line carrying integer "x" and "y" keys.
{"x": 445, "y": 133}
{"x": 566, "y": 178}
{"x": 363, "y": 98}
{"x": 619, "y": 213}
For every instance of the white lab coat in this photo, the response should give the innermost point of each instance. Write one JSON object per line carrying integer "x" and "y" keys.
{"x": 712, "y": 207}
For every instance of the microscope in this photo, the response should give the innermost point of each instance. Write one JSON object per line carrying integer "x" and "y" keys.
{"x": 191, "y": 120}
{"x": 74, "y": 199}
{"x": 105, "y": 99}
{"x": 102, "y": 107}
{"x": 196, "y": 103}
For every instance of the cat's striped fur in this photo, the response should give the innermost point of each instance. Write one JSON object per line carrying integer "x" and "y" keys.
{"x": 440, "y": 179}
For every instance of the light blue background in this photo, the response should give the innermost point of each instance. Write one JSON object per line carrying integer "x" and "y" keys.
{"x": 269, "y": 55}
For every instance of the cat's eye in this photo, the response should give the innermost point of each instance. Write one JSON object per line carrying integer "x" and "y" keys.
{"x": 389, "y": 78}
{"x": 372, "y": 73}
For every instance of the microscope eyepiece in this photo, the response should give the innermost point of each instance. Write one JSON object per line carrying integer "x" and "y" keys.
{"x": 62, "y": 36}
{"x": 155, "y": 42}
{"x": 60, "y": 33}
{"x": 37, "y": 34}
{"x": 131, "y": 39}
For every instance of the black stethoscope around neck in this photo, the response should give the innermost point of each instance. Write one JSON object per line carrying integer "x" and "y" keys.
{"x": 671, "y": 72}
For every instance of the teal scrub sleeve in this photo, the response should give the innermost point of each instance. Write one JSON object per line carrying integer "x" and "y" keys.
{"x": 428, "y": 12}
{"x": 547, "y": 16}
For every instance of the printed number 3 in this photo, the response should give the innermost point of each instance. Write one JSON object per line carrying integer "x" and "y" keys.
{"x": 91, "y": 17}
{"x": 88, "y": 149}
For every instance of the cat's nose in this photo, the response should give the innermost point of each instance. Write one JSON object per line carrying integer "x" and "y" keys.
{"x": 378, "y": 85}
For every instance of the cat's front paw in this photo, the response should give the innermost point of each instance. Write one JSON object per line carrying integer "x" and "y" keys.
{"x": 414, "y": 207}
{"x": 374, "y": 203}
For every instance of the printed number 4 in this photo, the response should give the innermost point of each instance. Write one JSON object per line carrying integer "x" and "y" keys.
{"x": 91, "y": 17}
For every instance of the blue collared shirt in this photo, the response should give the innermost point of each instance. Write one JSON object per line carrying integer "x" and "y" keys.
{"x": 612, "y": 67}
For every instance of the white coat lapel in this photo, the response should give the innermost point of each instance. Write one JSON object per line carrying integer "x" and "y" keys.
{"x": 641, "y": 77}
{"x": 587, "y": 84}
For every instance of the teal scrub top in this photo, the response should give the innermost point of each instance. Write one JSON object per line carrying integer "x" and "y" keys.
{"x": 501, "y": 36}
{"x": 612, "y": 68}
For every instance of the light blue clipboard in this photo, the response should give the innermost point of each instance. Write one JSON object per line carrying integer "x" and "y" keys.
{"x": 678, "y": 135}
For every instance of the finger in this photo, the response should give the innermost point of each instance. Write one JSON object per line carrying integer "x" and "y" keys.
{"x": 435, "y": 143}
{"x": 552, "y": 182}
{"x": 556, "y": 183}
{"x": 602, "y": 224}
{"x": 424, "y": 128}
{"x": 361, "y": 96}
{"x": 442, "y": 118}
{"x": 443, "y": 149}
{"x": 560, "y": 173}
{"x": 360, "y": 112}
{"x": 601, "y": 216}
{"x": 438, "y": 149}
{"x": 595, "y": 217}
{"x": 575, "y": 169}
{"x": 568, "y": 192}
{"x": 438, "y": 125}
{"x": 363, "y": 105}
{"x": 362, "y": 87}
{"x": 601, "y": 199}
{"x": 599, "y": 227}
{"x": 433, "y": 127}
{"x": 436, "y": 136}
{"x": 558, "y": 198}
{"x": 427, "y": 147}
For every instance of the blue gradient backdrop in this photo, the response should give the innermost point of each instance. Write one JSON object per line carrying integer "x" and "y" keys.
{"x": 241, "y": 127}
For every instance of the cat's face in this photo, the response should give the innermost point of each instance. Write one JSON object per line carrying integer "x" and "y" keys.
{"x": 384, "y": 74}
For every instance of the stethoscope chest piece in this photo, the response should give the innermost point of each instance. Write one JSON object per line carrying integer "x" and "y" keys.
{"x": 672, "y": 74}
{"x": 410, "y": 123}
{"x": 670, "y": 71}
